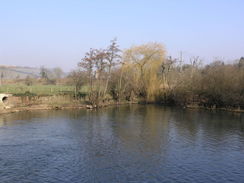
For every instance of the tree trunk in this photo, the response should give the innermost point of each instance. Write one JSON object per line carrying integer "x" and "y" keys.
{"x": 107, "y": 81}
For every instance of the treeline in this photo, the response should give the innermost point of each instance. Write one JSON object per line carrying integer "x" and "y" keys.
{"x": 143, "y": 73}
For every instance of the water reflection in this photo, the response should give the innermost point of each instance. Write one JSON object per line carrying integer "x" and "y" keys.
{"x": 122, "y": 144}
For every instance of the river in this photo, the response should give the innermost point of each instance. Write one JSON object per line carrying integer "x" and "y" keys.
{"x": 122, "y": 144}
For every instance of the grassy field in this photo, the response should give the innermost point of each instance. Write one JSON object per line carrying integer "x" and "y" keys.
{"x": 37, "y": 89}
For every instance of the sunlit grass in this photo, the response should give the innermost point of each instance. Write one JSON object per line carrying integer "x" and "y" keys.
{"x": 38, "y": 89}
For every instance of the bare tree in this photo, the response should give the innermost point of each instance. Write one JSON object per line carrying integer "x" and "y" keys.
{"x": 113, "y": 57}
{"x": 87, "y": 64}
{"x": 94, "y": 64}
{"x": 100, "y": 65}
{"x": 78, "y": 79}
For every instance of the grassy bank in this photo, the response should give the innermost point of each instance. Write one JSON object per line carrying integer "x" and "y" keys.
{"x": 18, "y": 89}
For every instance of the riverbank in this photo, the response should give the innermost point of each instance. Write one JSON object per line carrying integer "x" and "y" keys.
{"x": 89, "y": 107}
{"x": 61, "y": 102}
{"x": 196, "y": 107}
{"x": 58, "y": 107}
{"x": 39, "y": 107}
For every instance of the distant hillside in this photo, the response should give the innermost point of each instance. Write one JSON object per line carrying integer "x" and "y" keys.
{"x": 13, "y": 72}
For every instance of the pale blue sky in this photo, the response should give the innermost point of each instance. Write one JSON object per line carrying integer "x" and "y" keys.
{"x": 58, "y": 32}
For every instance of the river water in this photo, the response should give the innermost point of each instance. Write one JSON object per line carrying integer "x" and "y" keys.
{"x": 122, "y": 144}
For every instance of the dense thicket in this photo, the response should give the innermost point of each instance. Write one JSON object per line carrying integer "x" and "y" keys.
{"x": 143, "y": 73}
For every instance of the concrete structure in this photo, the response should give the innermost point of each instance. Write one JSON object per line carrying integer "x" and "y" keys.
{"x": 4, "y": 100}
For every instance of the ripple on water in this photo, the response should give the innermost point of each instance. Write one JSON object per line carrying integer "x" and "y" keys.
{"x": 126, "y": 144}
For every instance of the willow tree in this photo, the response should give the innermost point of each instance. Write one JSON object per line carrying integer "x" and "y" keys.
{"x": 144, "y": 62}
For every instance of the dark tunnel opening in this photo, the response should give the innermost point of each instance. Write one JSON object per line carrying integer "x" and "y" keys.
{"x": 5, "y": 99}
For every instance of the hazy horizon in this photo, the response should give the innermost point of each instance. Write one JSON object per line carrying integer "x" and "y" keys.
{"x": 58, "y": 33}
